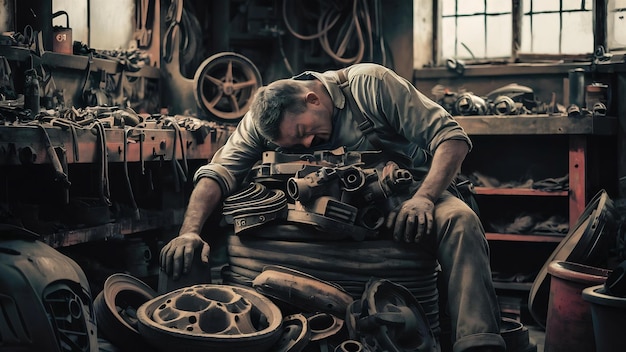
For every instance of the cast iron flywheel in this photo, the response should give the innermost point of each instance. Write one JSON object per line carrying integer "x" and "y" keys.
{"x": 225, "y": 84}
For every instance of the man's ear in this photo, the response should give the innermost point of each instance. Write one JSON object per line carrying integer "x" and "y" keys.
{"x": 312, "y": 98}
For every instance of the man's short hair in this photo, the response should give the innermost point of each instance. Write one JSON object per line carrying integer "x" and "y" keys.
{"x": 273, "y": 101}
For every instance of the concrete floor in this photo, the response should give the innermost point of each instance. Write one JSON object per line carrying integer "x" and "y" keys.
{"x": 537, "y": 335}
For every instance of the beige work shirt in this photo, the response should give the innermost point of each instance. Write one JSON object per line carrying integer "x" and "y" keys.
{"x": 405, "y": 120}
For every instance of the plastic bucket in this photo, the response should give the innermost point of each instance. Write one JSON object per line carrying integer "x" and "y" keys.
{"x": 569, "y": 327}
{"x": 609, "y": 319}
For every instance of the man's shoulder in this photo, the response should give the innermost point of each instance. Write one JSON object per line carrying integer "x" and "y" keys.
{"x": 368, "y": 69}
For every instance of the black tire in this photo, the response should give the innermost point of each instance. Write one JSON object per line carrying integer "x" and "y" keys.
{"x": 115, "y": 307}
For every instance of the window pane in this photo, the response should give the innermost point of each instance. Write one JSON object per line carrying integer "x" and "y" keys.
{"x": 545, "y": 33}
{"x": 526, "y": 35}
{"x": 468, "y": 7}
{"x": 578, "y": 38}
{"x": 617, "y": 4}
{"x": 448, "y": 33}
{"x": 78, "y": 18}
{"x": 498, "y": 6}
{"x": 545, "y": 5}
{"x": 472, "y": 36}
{"x": 575, "y": 4}
{"x": 447, "y": 7}
{"x": 526, "y": 6}
{"x": 616, "y": 27}
{"x": 499, "y": 36}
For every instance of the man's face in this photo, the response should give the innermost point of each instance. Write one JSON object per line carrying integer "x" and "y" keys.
{"x": 307, "y": 129}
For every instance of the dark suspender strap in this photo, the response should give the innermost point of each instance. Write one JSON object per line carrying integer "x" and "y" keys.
{"x": 365, "y": 125}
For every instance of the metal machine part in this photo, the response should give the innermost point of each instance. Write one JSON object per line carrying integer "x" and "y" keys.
{"x": 517, "y": 93}
{"x": 49, "y": 289}
{"x": 225, "y": 84}
{"x": 329, "y": 190}
{"x": 389, "y": 318}
{"x": 116, "y": 310}
{"x": 470, "y": 104}
{"x": 210, "y": 317}
{"x": 254, "y": 206}
{"x": 320, "y": 183}
{"x": 331, "y": 216}
{"x": 222, "y": 87}
{"x": 302, "y": 290}
{"x": 296, "y": 334}
{"x": 504, "y": 105}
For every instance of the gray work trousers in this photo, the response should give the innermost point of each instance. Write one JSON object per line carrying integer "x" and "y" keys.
{"x": 467, "y": 297}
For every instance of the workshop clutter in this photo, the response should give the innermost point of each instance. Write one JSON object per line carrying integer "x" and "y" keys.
{"x": 129, "y": 155}
{"x": 76, "y": 76}
{"x": 283, "y": 310}
{"x": 342, "y": 194}
{"x": 514, "y": 99}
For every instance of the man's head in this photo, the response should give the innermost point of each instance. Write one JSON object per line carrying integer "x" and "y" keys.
{"x": 293, "y": 113}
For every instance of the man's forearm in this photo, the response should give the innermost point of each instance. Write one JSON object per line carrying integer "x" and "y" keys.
{"x": 445, "y": 165}
{"x": 202, "y": 202}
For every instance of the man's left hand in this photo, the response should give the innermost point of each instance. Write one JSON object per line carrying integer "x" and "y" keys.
{"x": 412, "y": 220}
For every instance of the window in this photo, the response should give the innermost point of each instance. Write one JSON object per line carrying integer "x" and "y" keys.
{"x": 616, "y": 24}
{"x": 485, "y": 29}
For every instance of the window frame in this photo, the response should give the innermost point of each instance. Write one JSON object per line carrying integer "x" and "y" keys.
{"x": 599, "y": 15}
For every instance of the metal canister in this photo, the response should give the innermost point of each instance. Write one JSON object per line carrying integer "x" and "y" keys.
{"x": 62, "y": 41}
{"x": 577, "y": 87}
{"x": 596, "y": 92}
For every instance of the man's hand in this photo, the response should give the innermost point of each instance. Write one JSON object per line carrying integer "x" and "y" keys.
{"x": 412, "y": 219}
{"x": 176, "y": 256}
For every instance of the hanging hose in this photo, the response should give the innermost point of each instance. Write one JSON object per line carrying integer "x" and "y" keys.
{"x": 179, "y": 171}
{"x": 355, "y": 24}
{"x": 105, "y": 193}
{"x": 129, "y": 187}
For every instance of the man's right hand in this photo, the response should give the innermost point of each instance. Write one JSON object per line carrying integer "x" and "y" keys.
{"x": 177, "y": 255}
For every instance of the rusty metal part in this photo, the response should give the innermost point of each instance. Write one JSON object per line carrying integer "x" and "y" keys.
{"x": 324, "y": 325}
{"x": 222, "y": 87}
{"x": 116, "y": 310}
{"x": 210, "y": 317}
{"x": 302, "y": 290}
{"x": 350, "y": 346}
{"x": 349, "y": 179}
{"x": 296, "y": 334}
{"x": 389, "y": 318}
{"x": 225, "y": 84}
{"x": 470, "y": 104}
{"x": 330, "y": 215}
{"x": 504, "y": 105}
{"x": 254, "y": 206}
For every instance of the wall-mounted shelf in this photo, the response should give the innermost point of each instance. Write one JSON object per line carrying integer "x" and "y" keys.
{"x": 532, "y": 148}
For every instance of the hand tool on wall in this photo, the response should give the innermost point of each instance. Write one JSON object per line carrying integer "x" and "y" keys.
{"x": 60, "y": 173}
{"x": 143, "y": 35}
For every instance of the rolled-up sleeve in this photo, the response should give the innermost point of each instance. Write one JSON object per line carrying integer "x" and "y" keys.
{"x": 233, "y": 161}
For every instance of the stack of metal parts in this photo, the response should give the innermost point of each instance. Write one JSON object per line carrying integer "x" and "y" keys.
{"x": 321, "y": 215}
{"x": 341, "y": 194}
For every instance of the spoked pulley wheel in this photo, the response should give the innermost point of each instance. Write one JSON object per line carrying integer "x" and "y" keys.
{"x": 225, "y": 84}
